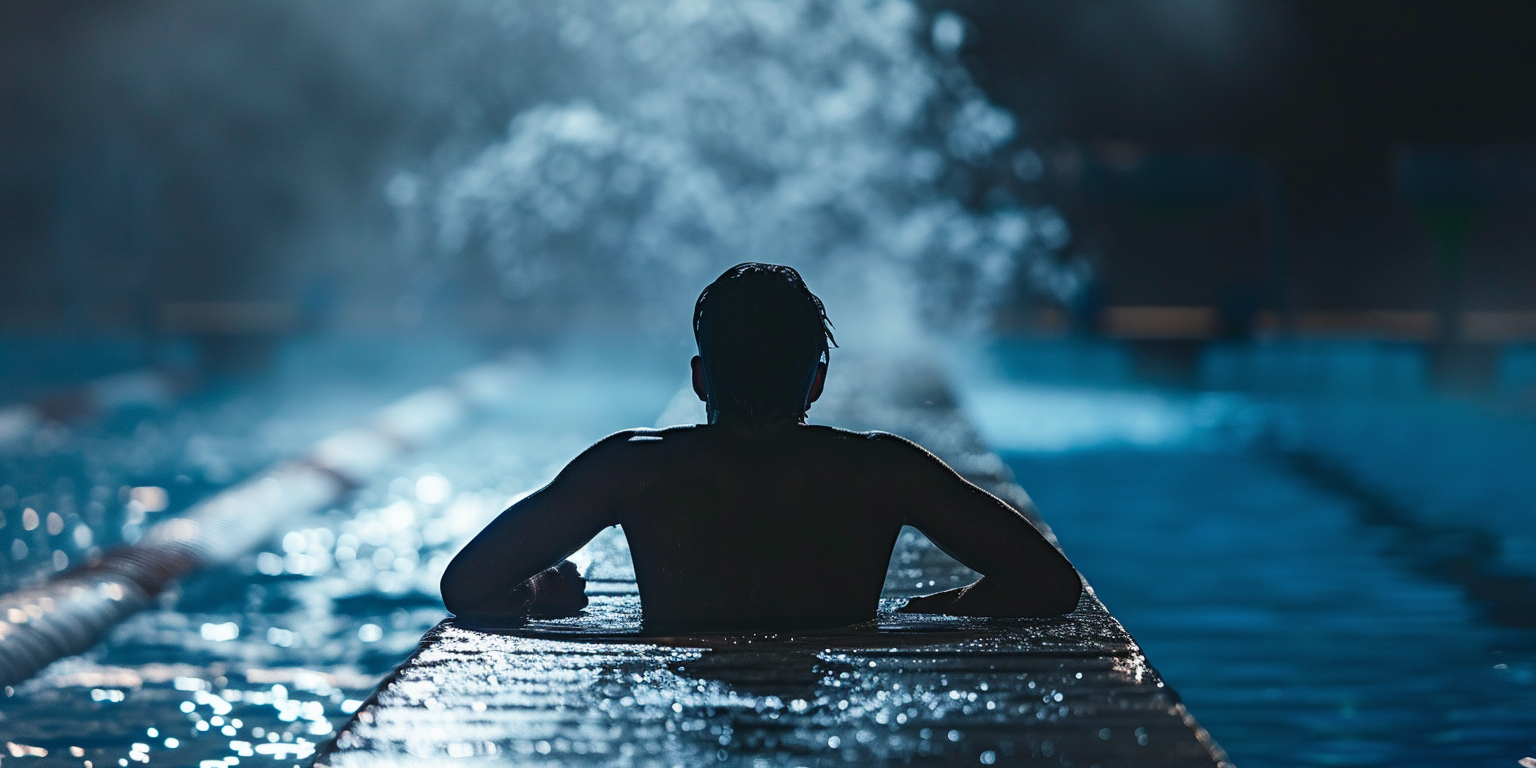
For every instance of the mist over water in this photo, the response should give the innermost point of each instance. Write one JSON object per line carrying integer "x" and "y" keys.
{"x": 590, "y": 163}
{"x": 840, "y": 137}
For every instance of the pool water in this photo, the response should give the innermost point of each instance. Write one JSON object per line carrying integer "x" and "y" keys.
{"x": 1277, "y": 618}
{"x": 1292, "y": 614}
{"x": 1328, "y": 579}
{"x": 265, "y": 659}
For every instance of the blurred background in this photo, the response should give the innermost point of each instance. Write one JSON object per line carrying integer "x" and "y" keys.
{"x": 1244, "y": 292}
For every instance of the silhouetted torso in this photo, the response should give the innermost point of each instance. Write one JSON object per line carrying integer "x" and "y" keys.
{"x": 789, "y": 526}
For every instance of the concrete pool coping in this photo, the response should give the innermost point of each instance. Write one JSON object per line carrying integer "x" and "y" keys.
{"x": 592, "y": 690}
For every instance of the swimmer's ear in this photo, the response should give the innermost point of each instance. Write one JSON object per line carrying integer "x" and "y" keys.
{"x": 698, "y": 378}
{"x": 817, "y": 384}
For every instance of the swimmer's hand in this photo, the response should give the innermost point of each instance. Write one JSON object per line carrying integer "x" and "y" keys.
{"x": 552, "y": 593}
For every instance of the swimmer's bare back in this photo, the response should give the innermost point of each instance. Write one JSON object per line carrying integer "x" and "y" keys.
{"x": 738, "y": 529}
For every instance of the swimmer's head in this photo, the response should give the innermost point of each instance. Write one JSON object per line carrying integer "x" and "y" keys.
{"x": 763, "y": 342}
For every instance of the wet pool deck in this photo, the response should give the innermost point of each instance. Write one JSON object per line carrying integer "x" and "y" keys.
{"x": 1075, "y": 691}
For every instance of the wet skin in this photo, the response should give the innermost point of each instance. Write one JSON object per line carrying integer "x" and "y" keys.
{"x": 737, "y": 528}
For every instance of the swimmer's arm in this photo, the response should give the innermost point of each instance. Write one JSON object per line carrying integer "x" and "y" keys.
{"x": 1023, "y": 575}
{"x": 509, "y": 569}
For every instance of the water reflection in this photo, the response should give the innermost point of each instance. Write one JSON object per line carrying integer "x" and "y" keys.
{"x": 1272, "y": 611}
{"x": 794, "y": 675}
{"x": 577, "y": 690}
{"x": 265, "y": 657}
{"x": 1333, "y": 583}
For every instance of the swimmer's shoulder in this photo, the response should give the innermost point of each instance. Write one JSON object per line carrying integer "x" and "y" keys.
{"x": 626, "y": 456}
{"x": 638, "y": 441}
{"x": 637, "y": 446}
{"x": 874, "y": 444}
{"x": 873, "y": 437}
{"x": 641, "y": 439}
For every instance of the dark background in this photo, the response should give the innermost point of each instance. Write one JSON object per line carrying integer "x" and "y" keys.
{"x": 1295, "y": 149}
{"x": 1251, "y": 156}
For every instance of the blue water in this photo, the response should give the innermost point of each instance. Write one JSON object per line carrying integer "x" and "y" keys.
{"x": 266, "y": 658}
{"x": 1281, "y": 600}
{"x": 1297, "y": 562}
{"x": 1288, "y": 634}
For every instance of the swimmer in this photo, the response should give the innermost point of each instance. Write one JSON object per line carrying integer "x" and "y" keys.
{"x": 757, "y": 521}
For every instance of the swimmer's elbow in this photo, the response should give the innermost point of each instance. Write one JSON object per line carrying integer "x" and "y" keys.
{"x": 1047, "y": 603}
{"x": 453, "y": 599}
{"x": 1061, "y": 599}
{"x": 457, "y": 589}
{"x": 1019, "y": 599}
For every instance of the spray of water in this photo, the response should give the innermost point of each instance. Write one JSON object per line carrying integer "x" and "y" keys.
{"x": 838, "y": 136}
{"x": 594, "y": 161}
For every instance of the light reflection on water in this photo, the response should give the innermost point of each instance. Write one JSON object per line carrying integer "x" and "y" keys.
{"x": 1301, "y": 626}
{"x": 1258, "y": 594}
{"x": 265, "y": 658}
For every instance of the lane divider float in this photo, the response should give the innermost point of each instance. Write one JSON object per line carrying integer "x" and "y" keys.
{"x": 72, "y": 612}
{"x": 146, "y": 387}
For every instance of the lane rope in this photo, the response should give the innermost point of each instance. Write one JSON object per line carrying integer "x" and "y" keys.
{"x": 147, "y": 387}
{"x": 72, "y": 612}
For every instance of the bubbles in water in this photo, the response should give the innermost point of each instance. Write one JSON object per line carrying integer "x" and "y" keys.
{"x": 433, "y": 489}
{"x": 151, "y": 498}
{"x": 221, "y": 632}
